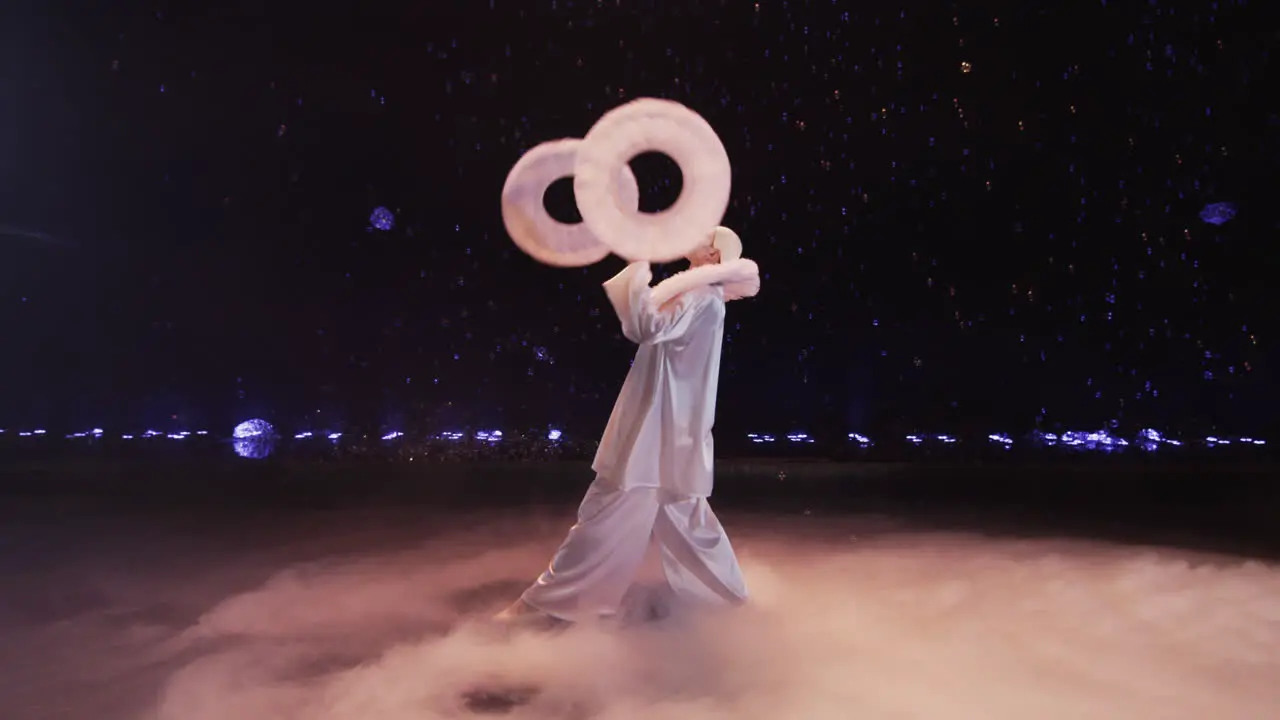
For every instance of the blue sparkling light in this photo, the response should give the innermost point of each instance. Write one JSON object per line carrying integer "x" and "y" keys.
{"x": 253, "y": 439}
{"x": 257, "y": 438}
{"x": 247, "y": 429}
{"x": 1151, "y": 440}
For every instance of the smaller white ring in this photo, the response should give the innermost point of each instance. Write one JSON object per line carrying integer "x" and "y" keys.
{"x": 652, "y": 125}
{"x": 524, "y": 211}
{"x": 728, "y": 243}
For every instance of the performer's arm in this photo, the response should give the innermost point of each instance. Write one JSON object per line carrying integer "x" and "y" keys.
{"x": 644, "y": 323}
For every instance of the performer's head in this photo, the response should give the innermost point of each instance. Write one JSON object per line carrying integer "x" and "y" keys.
{"x": 705, "y": 255}
{"x": 722, "y": 245}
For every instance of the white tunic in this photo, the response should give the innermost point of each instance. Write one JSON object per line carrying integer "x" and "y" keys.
{"x": 659, "y": 434}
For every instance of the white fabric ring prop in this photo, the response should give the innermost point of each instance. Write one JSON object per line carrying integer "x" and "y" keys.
{"x": 542, "y": 237}
{"x": 651, "y": 125}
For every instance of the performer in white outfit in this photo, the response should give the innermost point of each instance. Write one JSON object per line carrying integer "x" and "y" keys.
{"x": 654, "y": 467}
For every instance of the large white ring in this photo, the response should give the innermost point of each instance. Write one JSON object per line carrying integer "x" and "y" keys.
{"x": 542, "y": 237}
{"x": 651, "y": 125}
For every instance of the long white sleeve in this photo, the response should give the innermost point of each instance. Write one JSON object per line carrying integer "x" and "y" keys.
{"x": 643, "y": 321}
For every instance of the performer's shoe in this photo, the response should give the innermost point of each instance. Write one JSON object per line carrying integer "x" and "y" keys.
{"x": 513, "y": 612}
{"x": 523, "y": 615}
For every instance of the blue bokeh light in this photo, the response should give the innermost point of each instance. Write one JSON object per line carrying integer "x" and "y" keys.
{"x": 382, "y": 219}
{"x": 1218, "y": 213}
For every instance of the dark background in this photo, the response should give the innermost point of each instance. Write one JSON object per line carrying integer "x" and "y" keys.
{"x": 187, "y": 190}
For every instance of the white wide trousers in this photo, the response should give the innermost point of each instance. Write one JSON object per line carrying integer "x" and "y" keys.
{"x": 599, "y": 560}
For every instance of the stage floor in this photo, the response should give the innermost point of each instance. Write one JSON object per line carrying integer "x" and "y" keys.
{"x": 370, "y": 614}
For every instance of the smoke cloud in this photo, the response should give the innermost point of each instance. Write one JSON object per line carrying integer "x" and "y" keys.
{"x": 879, "y": 625}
